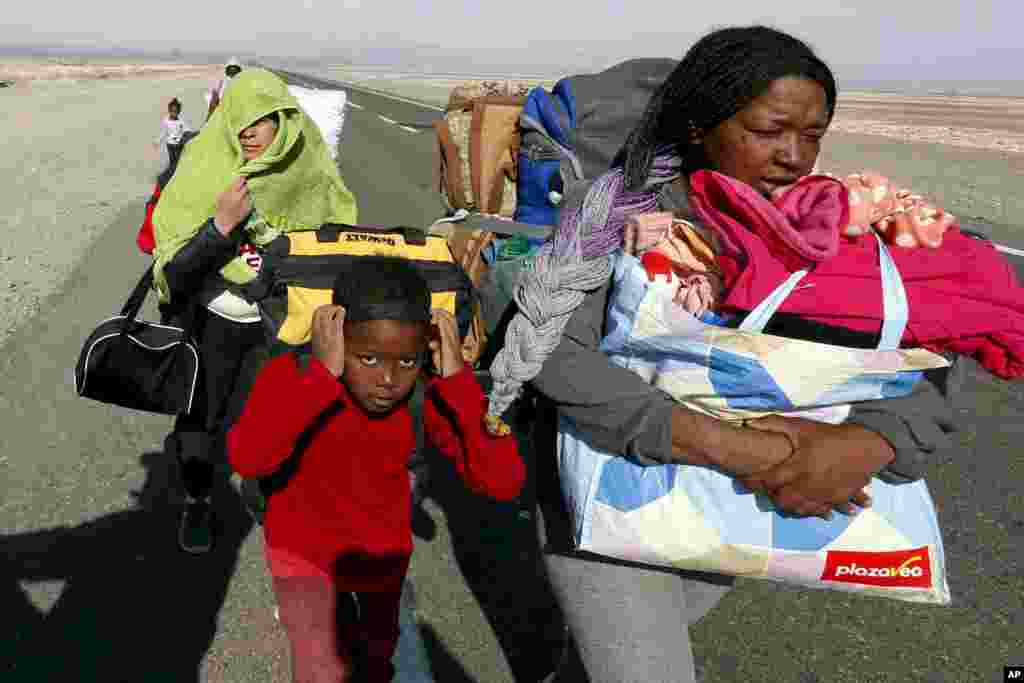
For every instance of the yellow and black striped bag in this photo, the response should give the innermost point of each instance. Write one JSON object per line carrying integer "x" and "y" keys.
{"x": 299, "y": 270}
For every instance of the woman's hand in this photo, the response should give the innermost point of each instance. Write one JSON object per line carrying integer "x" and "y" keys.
{"x": 830, "y": 466}
{"x": 329, "y": 338}
{"x": 233, "y": 206}
{"x": 445, "y": 346}
{"x": 699, "y": 439}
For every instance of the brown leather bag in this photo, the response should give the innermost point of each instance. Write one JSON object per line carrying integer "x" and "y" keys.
{"x": 478, "y": 145}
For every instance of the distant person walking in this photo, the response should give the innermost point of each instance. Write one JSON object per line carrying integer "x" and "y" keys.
{"x": 216, "y": 94}
{"x": 172, "y": 132}
{"x": 145, "y": 239}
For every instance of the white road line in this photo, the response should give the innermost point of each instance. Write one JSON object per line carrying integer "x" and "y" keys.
{"x": 411, "y": 130}
{"x": 355, "y": 106}
{"x": 378, "y": 93}
{"x": 386, "y": 119}
{"x": 1009, "y": 250}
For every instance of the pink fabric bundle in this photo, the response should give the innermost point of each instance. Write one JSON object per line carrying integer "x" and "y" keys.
{"x": 800, "y": 226}
{"x": 963, "y": 296}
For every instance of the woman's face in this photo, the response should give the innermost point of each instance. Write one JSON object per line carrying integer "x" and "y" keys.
{"x": 256, "y": 138}
{"x": 775, "y": 139}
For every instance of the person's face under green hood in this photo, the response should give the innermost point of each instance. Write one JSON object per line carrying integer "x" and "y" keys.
{"x": 257, "y": 138}
{"x": 255, "y": 109}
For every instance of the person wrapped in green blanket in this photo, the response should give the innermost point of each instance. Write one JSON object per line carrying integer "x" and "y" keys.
{"x": 259, "y": 168}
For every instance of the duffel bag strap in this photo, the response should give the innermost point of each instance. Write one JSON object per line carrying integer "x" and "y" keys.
{"x": 138, "y": 295}
{"x": 502, "y": 226}
{"x": 131, "y": 308}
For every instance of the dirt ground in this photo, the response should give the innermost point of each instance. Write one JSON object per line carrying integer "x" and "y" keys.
{"x": 21, "y": 71}
{"x": 76, "y": 153}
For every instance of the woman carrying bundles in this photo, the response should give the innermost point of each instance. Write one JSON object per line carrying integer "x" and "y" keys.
{"x": 752, "y": 104}
{"x": 259, "y": 168}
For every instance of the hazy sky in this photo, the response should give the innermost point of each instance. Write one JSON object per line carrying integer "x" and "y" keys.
{"x": 958, "y": 39}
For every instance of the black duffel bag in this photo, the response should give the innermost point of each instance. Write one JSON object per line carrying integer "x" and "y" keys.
{"x": 138, "y": 364}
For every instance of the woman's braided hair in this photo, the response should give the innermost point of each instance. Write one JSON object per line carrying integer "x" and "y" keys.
{"x": 720, "y": 75}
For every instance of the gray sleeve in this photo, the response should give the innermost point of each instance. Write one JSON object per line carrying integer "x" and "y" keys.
{"x": 918, "y": 425}
{"x": 207, "y": 252}
{"x": 614, "y": 408}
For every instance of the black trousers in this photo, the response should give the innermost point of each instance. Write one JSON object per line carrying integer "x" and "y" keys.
{"x": 173, "y": 153}
{"x": 231, "y": 354}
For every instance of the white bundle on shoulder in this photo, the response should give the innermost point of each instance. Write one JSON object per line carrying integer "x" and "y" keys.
{"x": 327, "y": 109}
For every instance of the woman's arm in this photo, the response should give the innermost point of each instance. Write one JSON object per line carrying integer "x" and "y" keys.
{"x": 454, "y": 421}
{"x": 891, "y": 439}
{"x": 269, "y": 428}
{"x": 207, "y": 252}
{"x": 617, "y": 411}
{"x": 213, "y": 246}
{"x": 916, "y": 426}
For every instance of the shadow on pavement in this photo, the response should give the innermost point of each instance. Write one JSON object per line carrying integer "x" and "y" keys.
{"x": 445, "y": 667}
{"x": 495, "y": 547}
{"x": 133, "y": 607}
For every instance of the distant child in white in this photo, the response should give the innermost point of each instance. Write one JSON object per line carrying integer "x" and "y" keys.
{"x": 173, "y": 129}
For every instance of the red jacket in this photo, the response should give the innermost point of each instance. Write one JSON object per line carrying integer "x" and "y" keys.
{"x": 145, "y": 239}
{"x": 349, "y": 499}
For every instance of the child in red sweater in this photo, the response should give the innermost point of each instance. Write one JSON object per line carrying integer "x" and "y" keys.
{"x": 337, "y": 427}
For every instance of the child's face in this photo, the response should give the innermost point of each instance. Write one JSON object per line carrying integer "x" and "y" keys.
{"x": 173, "y": 112}
{"x": 382, "y": 362}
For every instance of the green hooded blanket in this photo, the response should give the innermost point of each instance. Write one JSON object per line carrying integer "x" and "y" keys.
{"x": 294, "y": 184}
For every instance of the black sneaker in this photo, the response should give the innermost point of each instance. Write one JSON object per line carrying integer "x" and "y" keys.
{"x": 195, "y": 535}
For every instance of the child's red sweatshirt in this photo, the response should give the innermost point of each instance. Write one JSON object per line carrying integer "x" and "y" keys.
{"x": 346, "y": 507}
